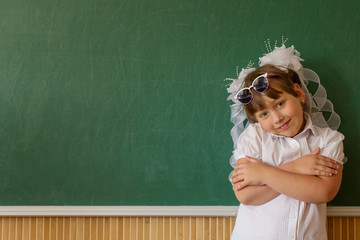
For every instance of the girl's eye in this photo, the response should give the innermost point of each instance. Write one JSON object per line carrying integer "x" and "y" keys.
{"x": 263, "y": 114}
{"x": 280, "y": 104}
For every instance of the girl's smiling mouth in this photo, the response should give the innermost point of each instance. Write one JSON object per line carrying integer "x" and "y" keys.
{"x": 284, "y": 126}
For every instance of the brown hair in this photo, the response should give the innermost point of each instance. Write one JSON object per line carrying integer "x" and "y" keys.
{"x": 285, "y": 81}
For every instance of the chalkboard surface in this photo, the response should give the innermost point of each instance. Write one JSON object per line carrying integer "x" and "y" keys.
{"x": 108, "y": 102}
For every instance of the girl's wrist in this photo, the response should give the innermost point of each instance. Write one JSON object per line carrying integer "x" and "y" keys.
{"x": 287, "y": 167}
{"x": 266, "y": 173}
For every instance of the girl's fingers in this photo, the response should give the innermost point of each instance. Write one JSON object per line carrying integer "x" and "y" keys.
{"x": 234, "y": 176}
{"x": 317, "y": 151}
{"x": 322, "y": 170}
{"x": 239, "y": 177}
{"x": 240, "y": 185}
{"x": 327, "y": 162}
{"x": 240, "y": 166}
{"x": 236, "y": 180}
{"x": 325, "y": 171}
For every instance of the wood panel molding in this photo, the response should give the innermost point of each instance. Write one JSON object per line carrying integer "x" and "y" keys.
{"x": 204, "y": 211}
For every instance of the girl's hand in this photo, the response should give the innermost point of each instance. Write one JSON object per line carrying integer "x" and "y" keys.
{"x": 248, "y": 171}
{"x": 313, "y": 164}
{"x": 240, "y": 162}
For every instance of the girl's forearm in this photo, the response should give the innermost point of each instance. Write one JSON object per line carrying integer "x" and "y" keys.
{"x": 308, "y": 188}
{"x": 305, "y": 188}
{"x": 258, "y": 195}
{"x": 255, "y": 195}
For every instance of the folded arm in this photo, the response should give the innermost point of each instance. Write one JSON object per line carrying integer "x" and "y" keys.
{"x": 307, "y": 188}
{"x": 312, "y": 189}
{"x": 313, "y": 167}
{"x": 255, "y": 195}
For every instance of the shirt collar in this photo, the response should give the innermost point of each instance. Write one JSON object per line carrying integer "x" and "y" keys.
{"x": 308, "y": 127}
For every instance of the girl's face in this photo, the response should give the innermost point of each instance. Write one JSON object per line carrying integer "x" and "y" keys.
{"x": 282, "y": 116}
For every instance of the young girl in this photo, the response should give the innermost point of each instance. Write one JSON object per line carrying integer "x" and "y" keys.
{"x": 285, "y": 168}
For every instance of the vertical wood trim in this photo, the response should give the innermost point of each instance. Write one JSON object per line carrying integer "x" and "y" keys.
{"x": 357, "y": 228}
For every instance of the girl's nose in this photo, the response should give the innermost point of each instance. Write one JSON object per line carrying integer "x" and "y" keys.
{"x": 277, "y": 117}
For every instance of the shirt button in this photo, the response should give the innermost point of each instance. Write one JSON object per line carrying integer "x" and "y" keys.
{"x": 292, "y": 237}
{"x": 293, "y": 216}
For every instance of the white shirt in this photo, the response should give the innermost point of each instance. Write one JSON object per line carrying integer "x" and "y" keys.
{"x": 284, "y": 217}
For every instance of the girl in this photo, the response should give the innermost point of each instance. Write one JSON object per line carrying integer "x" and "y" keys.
{"x": 279, "y": 175}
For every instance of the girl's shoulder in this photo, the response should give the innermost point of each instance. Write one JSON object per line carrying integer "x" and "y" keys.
{"x": 328, "y": 133}
{"x": 253, "y": 128}
{"x": 331, "y": 143}
{"x": 250, "y": 142}
{"x": 253, "y": 133}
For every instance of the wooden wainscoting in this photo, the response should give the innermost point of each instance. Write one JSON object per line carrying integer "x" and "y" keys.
{"x": 143, "y": 228}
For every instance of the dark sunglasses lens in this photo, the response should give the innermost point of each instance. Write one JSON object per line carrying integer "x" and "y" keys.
{"x": 244, "y": 96}
{"x": 261, "y": 84}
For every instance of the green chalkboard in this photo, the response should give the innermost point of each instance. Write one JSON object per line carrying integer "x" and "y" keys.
{"x": 108, "y": 102}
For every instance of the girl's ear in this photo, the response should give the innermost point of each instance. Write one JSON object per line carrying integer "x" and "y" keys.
{"x": 300, "y": 93}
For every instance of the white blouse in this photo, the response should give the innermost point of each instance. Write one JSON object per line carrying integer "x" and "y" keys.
{"x": 284, "y": 217}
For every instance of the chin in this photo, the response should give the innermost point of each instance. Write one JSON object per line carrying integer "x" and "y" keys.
{"x": 286, "y": 134}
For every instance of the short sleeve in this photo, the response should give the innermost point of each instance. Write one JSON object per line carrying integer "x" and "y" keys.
{"x": 249, "y": 143}
{"x": 333, "y": 146}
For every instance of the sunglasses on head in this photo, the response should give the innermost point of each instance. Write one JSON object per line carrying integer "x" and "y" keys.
{"x": 260, "y": 85}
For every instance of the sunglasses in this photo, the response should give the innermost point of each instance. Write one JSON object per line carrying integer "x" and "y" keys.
{"x": 260, "y": 85}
